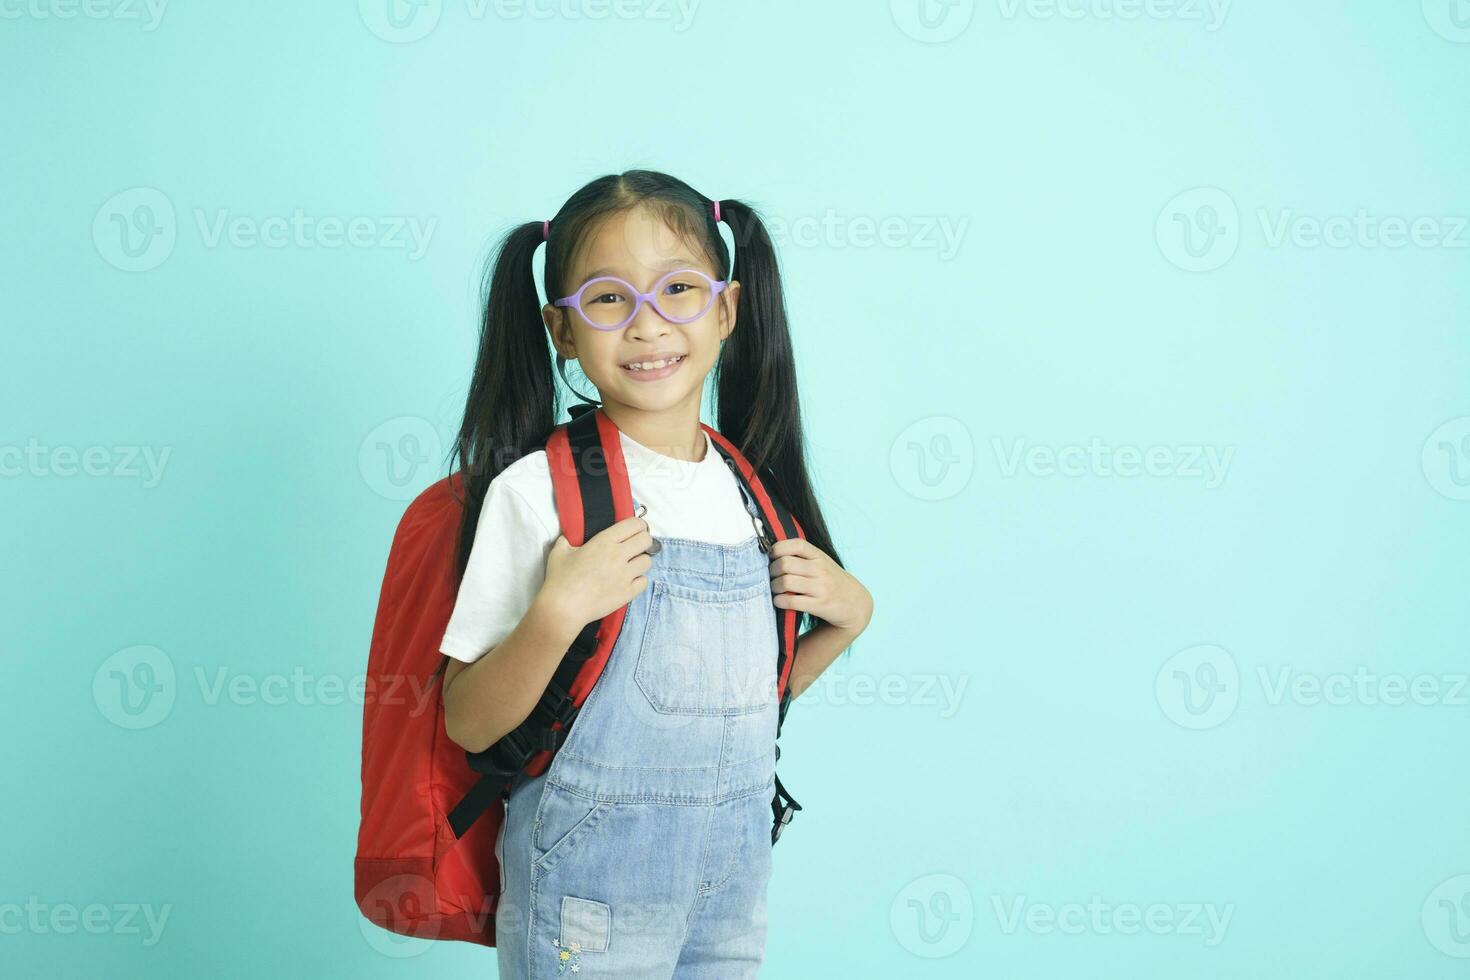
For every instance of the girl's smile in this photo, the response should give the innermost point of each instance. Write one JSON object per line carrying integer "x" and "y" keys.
{"x": 654, "y": 366}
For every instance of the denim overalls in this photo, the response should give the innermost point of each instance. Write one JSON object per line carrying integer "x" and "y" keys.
{"x": 645, "y": 849}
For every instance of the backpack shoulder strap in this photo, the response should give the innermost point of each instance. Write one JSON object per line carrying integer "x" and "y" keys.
{"x": 590, "y": 482}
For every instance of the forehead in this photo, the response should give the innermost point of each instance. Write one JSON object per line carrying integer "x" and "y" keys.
{"x": 637, "y": 243}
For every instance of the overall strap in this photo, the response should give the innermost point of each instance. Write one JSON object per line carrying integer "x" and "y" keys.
{"x": 783, "y": 525}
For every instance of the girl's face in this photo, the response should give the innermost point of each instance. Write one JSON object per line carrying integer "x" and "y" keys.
{"x": 639, "y": 247}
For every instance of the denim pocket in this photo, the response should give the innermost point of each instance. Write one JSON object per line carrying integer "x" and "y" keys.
{"x": 563, "y": 821}
{"x": 707, "y": 652}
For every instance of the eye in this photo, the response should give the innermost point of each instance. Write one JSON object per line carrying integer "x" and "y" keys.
{"x": 678, "y": 286}
{"x": 605, "y": 298}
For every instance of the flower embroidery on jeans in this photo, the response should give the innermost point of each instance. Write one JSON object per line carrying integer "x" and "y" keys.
{"x": 568, "y": 957}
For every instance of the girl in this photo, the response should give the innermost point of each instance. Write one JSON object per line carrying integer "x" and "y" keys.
{"x": 644, "y": 850}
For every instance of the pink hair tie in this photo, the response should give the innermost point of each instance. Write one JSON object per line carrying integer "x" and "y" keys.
{"x": 717, "y": 211}
{"x": 545, "y": 230}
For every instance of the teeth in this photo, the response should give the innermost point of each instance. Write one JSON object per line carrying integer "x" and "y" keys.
{"x": 652, "y": 365}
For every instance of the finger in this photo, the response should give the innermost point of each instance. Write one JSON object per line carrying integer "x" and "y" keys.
{"x": 799, "y": 564}
{"x": 626, "y": 528}
{"x": 795, "y": 547}
{"x": 803, "y": 584}
{"x": 637, "y": 544}
{"x": 791, "y": 600}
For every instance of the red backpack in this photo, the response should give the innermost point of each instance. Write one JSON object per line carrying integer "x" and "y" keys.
{"x": 431, "y": 812}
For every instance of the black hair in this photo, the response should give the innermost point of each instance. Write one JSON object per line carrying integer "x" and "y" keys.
{"x": 513, "y": 405}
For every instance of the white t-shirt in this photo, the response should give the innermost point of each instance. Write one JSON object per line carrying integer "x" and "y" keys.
{"x": 518, "y": 525}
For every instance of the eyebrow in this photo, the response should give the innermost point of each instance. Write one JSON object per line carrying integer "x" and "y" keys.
{"x": 668, "y": 266}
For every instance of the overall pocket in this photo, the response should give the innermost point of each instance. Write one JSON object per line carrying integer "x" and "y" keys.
{"x": 564, "y": 821}
{"x": 708, "y": 653}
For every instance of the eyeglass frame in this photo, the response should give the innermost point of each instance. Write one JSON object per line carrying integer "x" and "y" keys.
{"x": 574, "y": 301}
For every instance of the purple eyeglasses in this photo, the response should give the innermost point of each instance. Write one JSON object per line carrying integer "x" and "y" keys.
{"x": 610, "y": 303}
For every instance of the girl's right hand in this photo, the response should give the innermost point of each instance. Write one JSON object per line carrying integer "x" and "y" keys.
{"x": 606, "y": 572}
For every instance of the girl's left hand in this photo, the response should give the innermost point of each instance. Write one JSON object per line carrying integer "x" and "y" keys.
{"x": 804, "y": 578}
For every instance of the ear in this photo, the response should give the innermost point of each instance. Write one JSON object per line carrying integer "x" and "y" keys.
{"x": 560, "y": 330}
{"x": 730, "y": 303}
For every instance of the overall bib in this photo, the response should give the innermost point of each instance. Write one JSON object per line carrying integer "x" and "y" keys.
{"x": 645, "y": 849}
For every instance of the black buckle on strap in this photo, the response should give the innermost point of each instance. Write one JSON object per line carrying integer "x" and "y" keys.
{"x": 505, "y": 758}
{"x": 783, "y": 808}
{"x": 562, "y": 708}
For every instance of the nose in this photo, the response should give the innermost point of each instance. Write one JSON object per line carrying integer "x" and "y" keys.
{"x": 648, "y": 324}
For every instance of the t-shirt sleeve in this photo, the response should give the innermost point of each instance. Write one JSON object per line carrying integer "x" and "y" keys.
{"x": 506, "y": 568}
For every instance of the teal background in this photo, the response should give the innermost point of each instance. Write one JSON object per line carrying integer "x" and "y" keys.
{"x": 1077, "y": 765}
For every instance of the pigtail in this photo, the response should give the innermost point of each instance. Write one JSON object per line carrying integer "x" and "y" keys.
{"x": 756, "y": 400}
{"x": 511, "y": 406}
